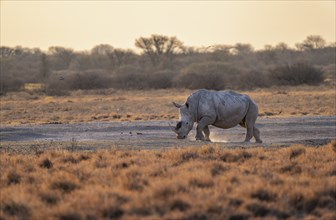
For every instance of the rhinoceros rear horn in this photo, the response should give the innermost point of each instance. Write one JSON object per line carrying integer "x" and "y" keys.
{"x": 177, "y": 105}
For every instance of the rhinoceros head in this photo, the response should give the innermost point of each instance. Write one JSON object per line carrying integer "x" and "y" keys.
{"x": 185, "y": 124}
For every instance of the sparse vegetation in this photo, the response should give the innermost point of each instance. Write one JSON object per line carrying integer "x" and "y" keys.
{"x": 121, "y": 105}
{"x": 209, "y": 182}
{"x": 165, "y": 62}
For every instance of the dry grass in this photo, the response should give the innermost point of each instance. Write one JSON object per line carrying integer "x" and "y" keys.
{"x": 111, "y": 105}
{"x": 190, "y": 183}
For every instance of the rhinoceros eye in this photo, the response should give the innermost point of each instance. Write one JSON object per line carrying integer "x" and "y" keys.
{"x": 187, "y": 105}
{"x": 179, "y": 125}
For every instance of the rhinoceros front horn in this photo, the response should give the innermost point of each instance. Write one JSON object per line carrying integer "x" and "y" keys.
{"x": 177, "y": 105}
{"x": 172, "y": 128}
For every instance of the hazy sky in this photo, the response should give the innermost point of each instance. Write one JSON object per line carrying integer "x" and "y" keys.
{"x": 84, "y": 24}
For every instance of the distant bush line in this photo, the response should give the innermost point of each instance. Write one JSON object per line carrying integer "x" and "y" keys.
{"x": 166, "y": 63}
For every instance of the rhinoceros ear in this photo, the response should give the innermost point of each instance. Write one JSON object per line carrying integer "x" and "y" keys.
{"x": 177, "y": 105}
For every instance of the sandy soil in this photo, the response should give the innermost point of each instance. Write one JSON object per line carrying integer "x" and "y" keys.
{"x": 316, "y": 130}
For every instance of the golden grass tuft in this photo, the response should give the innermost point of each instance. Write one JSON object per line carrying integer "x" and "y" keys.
{"x": 207, "y": 182}
{"x": 297, "y": 151}
{"x": 264, "y": 195}
{"x": 14, "y": 209}
{"x": 50, "y": 198}
{"x": 13, "y": 177}
{"x": 46, "y": 163}
{"x": 332, "y": 145}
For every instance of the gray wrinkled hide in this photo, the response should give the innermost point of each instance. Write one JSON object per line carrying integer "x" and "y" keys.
{"x": 223, "y": 109}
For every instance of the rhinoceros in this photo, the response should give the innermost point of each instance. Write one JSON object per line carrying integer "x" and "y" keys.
{"x": 222, "y": 109}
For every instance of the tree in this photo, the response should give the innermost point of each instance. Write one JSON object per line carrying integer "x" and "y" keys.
{"x": 160, "y": 49}
{"x": 119, "y": 57}
{"x": 44, "y": 68}
{"x": 7, "y": 52}
{"x": 107, "y": 57}
{"x": 100, "y": 56}
{"x": 102, "y": 49}
{"x": 62, "y": 57}
{"x": 282, "y": 46}
{"x": 312, "y": 42}
{"x": 242, "y": 49}
{"x": 220, "y": 52}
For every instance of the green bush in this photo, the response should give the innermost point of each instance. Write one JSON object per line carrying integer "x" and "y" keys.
{"x": 296, "y": 74}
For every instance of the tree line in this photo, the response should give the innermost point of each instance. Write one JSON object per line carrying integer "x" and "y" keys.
{"x": 165, "y": 62}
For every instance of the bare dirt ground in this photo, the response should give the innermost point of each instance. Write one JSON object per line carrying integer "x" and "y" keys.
{"x": 139, "y": 119}
{"x": 308, "y": 130}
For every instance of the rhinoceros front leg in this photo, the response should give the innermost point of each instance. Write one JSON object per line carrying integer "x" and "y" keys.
{"x": 206, "y": 131}
{"x": 203, "y": 124}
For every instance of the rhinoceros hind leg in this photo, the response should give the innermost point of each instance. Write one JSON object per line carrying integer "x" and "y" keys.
{"x": 249, "y": 133}
{"x": 250, "y": 120}
{"x": 256, "y": 134}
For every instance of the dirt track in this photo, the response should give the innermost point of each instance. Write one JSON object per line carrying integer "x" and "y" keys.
{"x": 157, "y": 134}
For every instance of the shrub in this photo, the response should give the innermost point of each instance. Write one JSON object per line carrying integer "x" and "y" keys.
{"x": 8, "y": 84}
{"x": 161, "y": 79}
{"x": 253, "y": 79}
{"x": 129, "y": 77}
{"x": 208, "y": 75}
{"x": 296, "y": 74}
{"x": 60, "y": 82}
{"x": 90, "y": 79}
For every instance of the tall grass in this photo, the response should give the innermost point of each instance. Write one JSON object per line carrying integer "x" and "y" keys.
{"x": 190, "y": 183}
